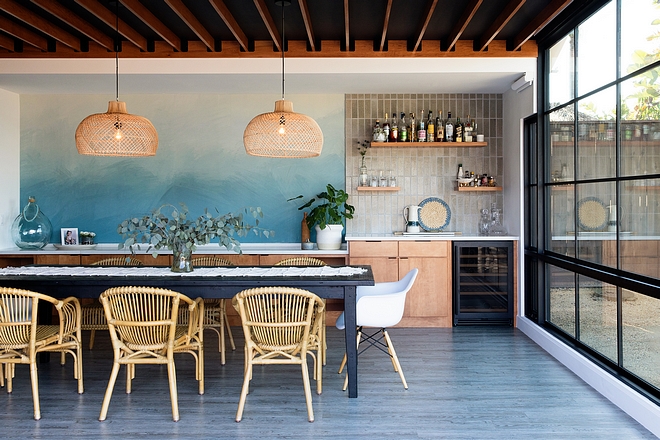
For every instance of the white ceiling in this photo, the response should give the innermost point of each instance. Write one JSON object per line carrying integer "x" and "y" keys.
{"x": 259, "y": 76}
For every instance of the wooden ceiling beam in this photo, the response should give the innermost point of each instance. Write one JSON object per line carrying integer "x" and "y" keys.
{"x": 108, "y": 17}
{"x": 191, "y": 21}
{"x": 347, "y": 27}
{"x": 269, "y": 23}
{"x": 505, "y": 16}
{"x": 23, "y": 34}
{"x": 7, "y": 42}
{"x": 39, "y": 23}
{"x": 307, "y": 19}
{"x": 76, "y": 22}
{"x": 231, "y": 23}
{"x": 426, "y": 18}
{"x": 539, "y": 22}
{"x": 386, "y": 24}
{"x": 144, "y": 14}
{"x": 461, "y": 24}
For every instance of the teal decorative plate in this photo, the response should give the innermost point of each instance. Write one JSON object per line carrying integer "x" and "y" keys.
{"x": 434, "y": 215}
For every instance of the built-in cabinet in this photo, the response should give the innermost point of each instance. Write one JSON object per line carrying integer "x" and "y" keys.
{"x": 428, "y": 304}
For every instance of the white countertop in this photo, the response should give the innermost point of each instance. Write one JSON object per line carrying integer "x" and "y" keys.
{"x": 247, "y": 248}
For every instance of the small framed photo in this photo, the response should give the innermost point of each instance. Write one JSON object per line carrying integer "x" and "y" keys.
{"x": 69, "y": 236}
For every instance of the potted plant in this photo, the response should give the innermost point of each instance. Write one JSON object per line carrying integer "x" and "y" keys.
{"x": 169, "y": 227}
{"x": 328, "y": 216}
{"x": 87, "y": 237}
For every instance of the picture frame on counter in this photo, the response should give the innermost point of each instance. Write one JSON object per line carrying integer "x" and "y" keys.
{"x": 69, "y": 236}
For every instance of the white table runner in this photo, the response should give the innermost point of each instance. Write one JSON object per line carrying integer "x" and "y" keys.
{"x": 279, "y": 271}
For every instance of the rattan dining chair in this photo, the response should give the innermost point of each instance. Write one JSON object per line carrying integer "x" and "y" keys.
{"x": 379, "y": 306}
{"x": 281, "y": 324}
{"x": 22, "y": 338}
{"x": 215, "y": 310}
{"x": 93, "y": 317}
{"x": 308, "y": 261}
{"x": 143, "y": 329}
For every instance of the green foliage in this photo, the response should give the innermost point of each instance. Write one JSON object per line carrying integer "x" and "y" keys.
{"x": 175, "y": 231}
{"x": 332, "y": 210}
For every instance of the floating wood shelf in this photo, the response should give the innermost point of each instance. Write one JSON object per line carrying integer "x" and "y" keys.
{"x": 427, "y": 144}
{"x": 378, "y": 188}
{"x": 480, "y": 188}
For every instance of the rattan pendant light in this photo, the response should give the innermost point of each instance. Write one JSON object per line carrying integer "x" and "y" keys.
{"x": 116, "y": 132}
{"x": 283, "y": 133}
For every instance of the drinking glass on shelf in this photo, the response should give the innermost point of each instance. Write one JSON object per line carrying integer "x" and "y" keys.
{"x": 374, "y": 181}
{"x": 392, "y": 179}
{"x": 383, "y": 180}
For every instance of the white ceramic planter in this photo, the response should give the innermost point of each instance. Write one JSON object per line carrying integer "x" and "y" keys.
{"x": 330, "y": 237}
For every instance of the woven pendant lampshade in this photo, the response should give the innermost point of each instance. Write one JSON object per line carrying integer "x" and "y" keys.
{"x": 116, "y": 133}
{"x": 283, "y": 133}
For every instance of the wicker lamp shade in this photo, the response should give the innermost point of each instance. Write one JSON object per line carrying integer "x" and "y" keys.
{"x": 116, "y": 133}
{"x": 283, "y": 134}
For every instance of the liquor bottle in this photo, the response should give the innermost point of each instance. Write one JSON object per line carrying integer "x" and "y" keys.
{"x": 458, "y": 131}
{"x": 430, "y": 128}
{"x": 412, "y": 131}
{"x": 440, "y": 128}
{"x": 403, "y": 130}
{"x": 376, "y": 130}
{"x": 394, "y": 129}
{"x": 449, "y": 129}
{"x": 468, "y": 129}
{"x": 421, "y": 128}
{"x": 460, "y": 174}
{"x": 386, "y": 128}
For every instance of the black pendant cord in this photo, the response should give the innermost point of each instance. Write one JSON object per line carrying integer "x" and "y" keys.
{"x": 282, "y": 50}
{"x": 117, "y": 51}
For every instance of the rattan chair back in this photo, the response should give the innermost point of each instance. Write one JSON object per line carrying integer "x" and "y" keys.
{"x": 210, "y": 261}
{"x": 301, "y": 261}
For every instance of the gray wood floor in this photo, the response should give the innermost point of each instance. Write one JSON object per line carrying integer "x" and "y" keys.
{"x": 481, "y": 382}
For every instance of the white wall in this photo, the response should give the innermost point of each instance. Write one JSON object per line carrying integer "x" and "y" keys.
{"x": 10, "y": 164}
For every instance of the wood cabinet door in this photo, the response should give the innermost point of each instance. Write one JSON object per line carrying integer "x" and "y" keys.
{"x": 384, "y": 269}
{"x": 428, "y": 303}
{"x": 71, "y": 260}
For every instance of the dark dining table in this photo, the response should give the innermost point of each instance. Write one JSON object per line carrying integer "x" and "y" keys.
{"x": 61, "y": 282}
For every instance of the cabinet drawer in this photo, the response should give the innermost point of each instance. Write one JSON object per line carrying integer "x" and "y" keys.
{"x": 373, "y": 248}
{"x": 424, "y": 248}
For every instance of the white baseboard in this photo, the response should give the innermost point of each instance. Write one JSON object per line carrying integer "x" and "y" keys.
{"x": 646, "y": 412}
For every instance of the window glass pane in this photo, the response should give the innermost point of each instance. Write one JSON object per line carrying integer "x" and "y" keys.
{"x": 561, "y": 307}
{"x": 640, "y": 124}
{"x": 639, "y": 223}
{"x": 596, "y": 50}
{"x": 561, "y": 72}
{"x": 598, "y": 316}
{"x": 641, "y": 338}
{"x": 595, "y": 208}
{"x": 561, "y": 129}
{"x": 562, "y": 219}
{"x": 639, "y": 34}
{"x": 596, "y": 135}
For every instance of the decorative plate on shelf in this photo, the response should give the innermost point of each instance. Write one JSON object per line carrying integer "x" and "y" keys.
{"x": 592, "y": 214}
{"x": 434, "y": 215}
{"x": 74, "y": 247}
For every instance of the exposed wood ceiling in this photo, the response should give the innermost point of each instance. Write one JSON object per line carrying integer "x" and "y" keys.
{"x": 253, "y": 28}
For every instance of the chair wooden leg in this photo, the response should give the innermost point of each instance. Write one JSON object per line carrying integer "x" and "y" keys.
{"x": 244, "y": 391}
{"x": 79, "y": 369}
{"x": 92, "y": 333}
{"x": 171, "y": 376}
{"x": 108, "y": 391}
{"x": 319, "y": 371}
{"x": 9, "y": 375}
{"x": 130, "y": 375}
{"x": 342, "y": 365}
{"x": 229, "y": 333}
{"x": 308, "y": 389}
{"x": 35, "y": 390}
{"x": 2, "y": 375}
{"x": 395, "y": 359}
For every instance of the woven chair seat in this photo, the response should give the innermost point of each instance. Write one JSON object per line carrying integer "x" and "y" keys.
{"x": 20, "y": 345}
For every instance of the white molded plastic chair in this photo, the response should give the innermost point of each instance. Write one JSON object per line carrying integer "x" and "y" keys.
{"x": 380, "y": 306}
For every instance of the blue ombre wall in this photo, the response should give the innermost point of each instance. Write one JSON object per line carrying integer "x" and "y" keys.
{"x": 200, "y": 161}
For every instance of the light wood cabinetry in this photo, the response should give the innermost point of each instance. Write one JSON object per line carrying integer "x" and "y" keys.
{"x": 428, "y": 304}
{"x": 71, "y": 260}
{"x": 147, "y": 260}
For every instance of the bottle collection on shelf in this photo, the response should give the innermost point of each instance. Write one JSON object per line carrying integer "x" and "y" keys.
{"x": 468, "y": 178}
{"x": 438, "y": 129}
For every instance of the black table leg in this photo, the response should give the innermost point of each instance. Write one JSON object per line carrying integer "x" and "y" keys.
{"x": 351, "y": 338}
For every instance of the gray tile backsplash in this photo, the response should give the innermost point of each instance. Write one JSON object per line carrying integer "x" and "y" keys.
{"x": 421, "y": 172}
